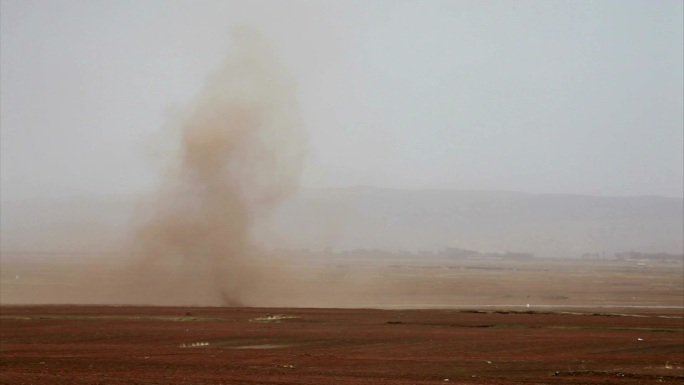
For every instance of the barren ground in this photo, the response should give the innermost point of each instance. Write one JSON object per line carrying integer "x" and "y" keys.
{"x": 180, "y": 345}
{"x": 585, "y": 325}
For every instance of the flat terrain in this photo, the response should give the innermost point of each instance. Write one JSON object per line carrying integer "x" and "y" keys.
{"x": 377, "y": 281}
{"x": 213, "y": 345}
{"x": 343, "y": 320}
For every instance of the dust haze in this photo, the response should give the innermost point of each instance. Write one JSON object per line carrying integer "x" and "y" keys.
{"x": 241, "y": 152}
{"x": 236, "y": 154}
{"x": 426, "y": 182}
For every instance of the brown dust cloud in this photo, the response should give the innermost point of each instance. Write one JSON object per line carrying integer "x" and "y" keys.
{"x": 228, "y": 161}
{"x": 242, "y": 147}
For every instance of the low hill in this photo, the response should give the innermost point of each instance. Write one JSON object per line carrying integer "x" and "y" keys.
{"x": 387, "y": 219}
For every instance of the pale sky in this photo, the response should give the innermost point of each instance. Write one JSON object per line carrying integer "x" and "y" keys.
{"x": 580, "y": 97}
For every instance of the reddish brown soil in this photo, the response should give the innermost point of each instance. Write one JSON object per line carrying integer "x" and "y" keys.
{"x": 154, "y": 345}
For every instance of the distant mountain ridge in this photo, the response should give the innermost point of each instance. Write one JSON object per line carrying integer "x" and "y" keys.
{"x": 544, "y": 224}
{"x": 377, "y": 218}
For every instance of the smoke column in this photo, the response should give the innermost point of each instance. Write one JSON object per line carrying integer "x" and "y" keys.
{"x": 241, "y": 151}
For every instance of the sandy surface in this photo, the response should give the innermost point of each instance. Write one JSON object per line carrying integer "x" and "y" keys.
{"x": 346, "y": 282}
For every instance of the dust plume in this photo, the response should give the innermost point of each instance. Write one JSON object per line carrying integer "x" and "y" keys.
{"x": 241, "y": 151}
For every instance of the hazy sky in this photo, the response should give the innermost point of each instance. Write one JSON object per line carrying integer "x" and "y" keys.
{"x": 536, "y": 96}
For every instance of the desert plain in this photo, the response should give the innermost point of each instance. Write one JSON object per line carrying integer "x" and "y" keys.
{"x": 360, "y": 321}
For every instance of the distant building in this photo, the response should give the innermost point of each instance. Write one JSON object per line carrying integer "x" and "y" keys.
{"x": 454, "y": 252}
{"x": 652, "y": 257}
